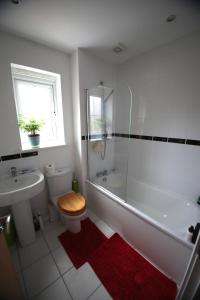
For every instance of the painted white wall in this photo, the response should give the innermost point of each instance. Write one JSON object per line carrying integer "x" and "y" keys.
{"x": 23, "y": 52}
{"x": 166, "y": 103}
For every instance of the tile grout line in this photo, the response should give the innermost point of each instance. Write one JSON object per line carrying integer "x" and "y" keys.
{"x": 39, "y": 293}
{"x": 94, "y": 291}
{"x": 49, "y": 253}
{"x": 22, "y": 274}
{"x": 68, "y": 269}
{"x": 24, "y": 269}
{"x": 57, "y": 265}
{"x": 35, "y": 261}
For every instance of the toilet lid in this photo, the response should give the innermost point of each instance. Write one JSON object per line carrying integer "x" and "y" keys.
{"x": 72, "y": 204}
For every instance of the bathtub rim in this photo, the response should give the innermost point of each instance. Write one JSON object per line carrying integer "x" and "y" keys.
{"x": 140, "y": 214}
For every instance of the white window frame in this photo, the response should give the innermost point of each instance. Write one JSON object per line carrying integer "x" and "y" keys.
{"x": 23, "y": 73}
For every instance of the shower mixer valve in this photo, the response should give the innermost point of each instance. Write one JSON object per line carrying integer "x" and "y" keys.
{"x": 105, "y": 172}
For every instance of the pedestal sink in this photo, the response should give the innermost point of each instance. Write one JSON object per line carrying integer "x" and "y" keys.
{"x": 17, "y": 192}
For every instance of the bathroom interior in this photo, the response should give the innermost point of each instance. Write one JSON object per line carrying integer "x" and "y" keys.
{"x": 113, "y": 87}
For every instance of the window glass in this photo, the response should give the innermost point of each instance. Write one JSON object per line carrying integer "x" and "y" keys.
{"x": 95, "y": 115}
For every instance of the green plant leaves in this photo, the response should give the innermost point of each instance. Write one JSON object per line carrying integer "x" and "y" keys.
{"x": 31, "y": 125}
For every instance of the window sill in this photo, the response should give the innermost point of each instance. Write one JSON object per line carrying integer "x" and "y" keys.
{"x": 101, "y": 139}
{"x": 27, "y": 146}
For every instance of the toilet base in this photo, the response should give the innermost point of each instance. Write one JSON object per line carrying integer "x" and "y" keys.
{"x": 73, "y": 223}
{"x": 73, "y": 226}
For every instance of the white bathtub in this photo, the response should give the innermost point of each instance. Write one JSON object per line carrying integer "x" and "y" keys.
{"x": 172, "y": 212}
{"x": 115, "y": 182}
{"x": 153, "y": 221}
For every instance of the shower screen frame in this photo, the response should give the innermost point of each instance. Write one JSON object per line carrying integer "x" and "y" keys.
{"x": 95, "y": 92}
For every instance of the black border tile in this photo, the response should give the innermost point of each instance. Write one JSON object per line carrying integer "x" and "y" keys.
{"x": 146, "y": 137}
{"x": 135, "y": 136}
{"x": 176, "y": 140}
{"x": 29, "y": 154}
{"x": 126, "y": 135}
{"x": 11, "y": 156}
{"x": 159, "y": 138}
{"x": 193, "y": 142}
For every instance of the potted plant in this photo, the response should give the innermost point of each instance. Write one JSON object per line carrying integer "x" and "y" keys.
{"x": 32, "y": 126}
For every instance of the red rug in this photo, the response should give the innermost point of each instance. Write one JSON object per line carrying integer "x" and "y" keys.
{"x": 82, "y": 245}
{"x": 127, "y": 275}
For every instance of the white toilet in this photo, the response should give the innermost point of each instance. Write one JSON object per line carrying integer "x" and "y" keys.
{"x": 70, "y": 205}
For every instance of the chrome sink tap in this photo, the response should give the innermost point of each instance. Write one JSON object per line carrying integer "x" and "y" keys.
{"x": 13, "y": 171}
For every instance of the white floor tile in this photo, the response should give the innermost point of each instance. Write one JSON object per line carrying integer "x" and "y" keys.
{"x": 39, "y": 275}
{"x": 100, "y": 294}
{"x": 62, "y": 260}
{"x": 51, "y": 236}
{"x": 104, "y": 228}
{"x": 82, "y": 282}
{"x": 57, "y": 291}
{"x": 33, "y": 252}
{"x": 15, "y": 258}
{"x": 21, "y": 281}
{"x": 48, "y": 226}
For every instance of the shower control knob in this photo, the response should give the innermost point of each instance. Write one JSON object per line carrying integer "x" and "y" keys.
{"x": 105, "y": 172}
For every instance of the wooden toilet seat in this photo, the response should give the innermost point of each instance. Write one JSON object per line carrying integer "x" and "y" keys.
{"x": 72, "y": 204}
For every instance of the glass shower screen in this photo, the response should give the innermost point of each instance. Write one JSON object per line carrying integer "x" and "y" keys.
{"x": 107, "y": 145}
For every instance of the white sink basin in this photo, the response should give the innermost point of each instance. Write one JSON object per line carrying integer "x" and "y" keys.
{"x": 19, "y": 188}
{"x": 17, "y": 192}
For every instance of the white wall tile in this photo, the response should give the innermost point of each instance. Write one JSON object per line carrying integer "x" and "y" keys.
{"x": 166, "y": 89}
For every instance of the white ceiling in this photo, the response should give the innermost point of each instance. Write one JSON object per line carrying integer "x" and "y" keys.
{"x": 99, "y": 25}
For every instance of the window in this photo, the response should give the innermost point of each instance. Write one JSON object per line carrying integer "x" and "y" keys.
{"x": 95, "y": 115}
{"x": 38, "y": 95}
{"x": 100, "y": 111}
